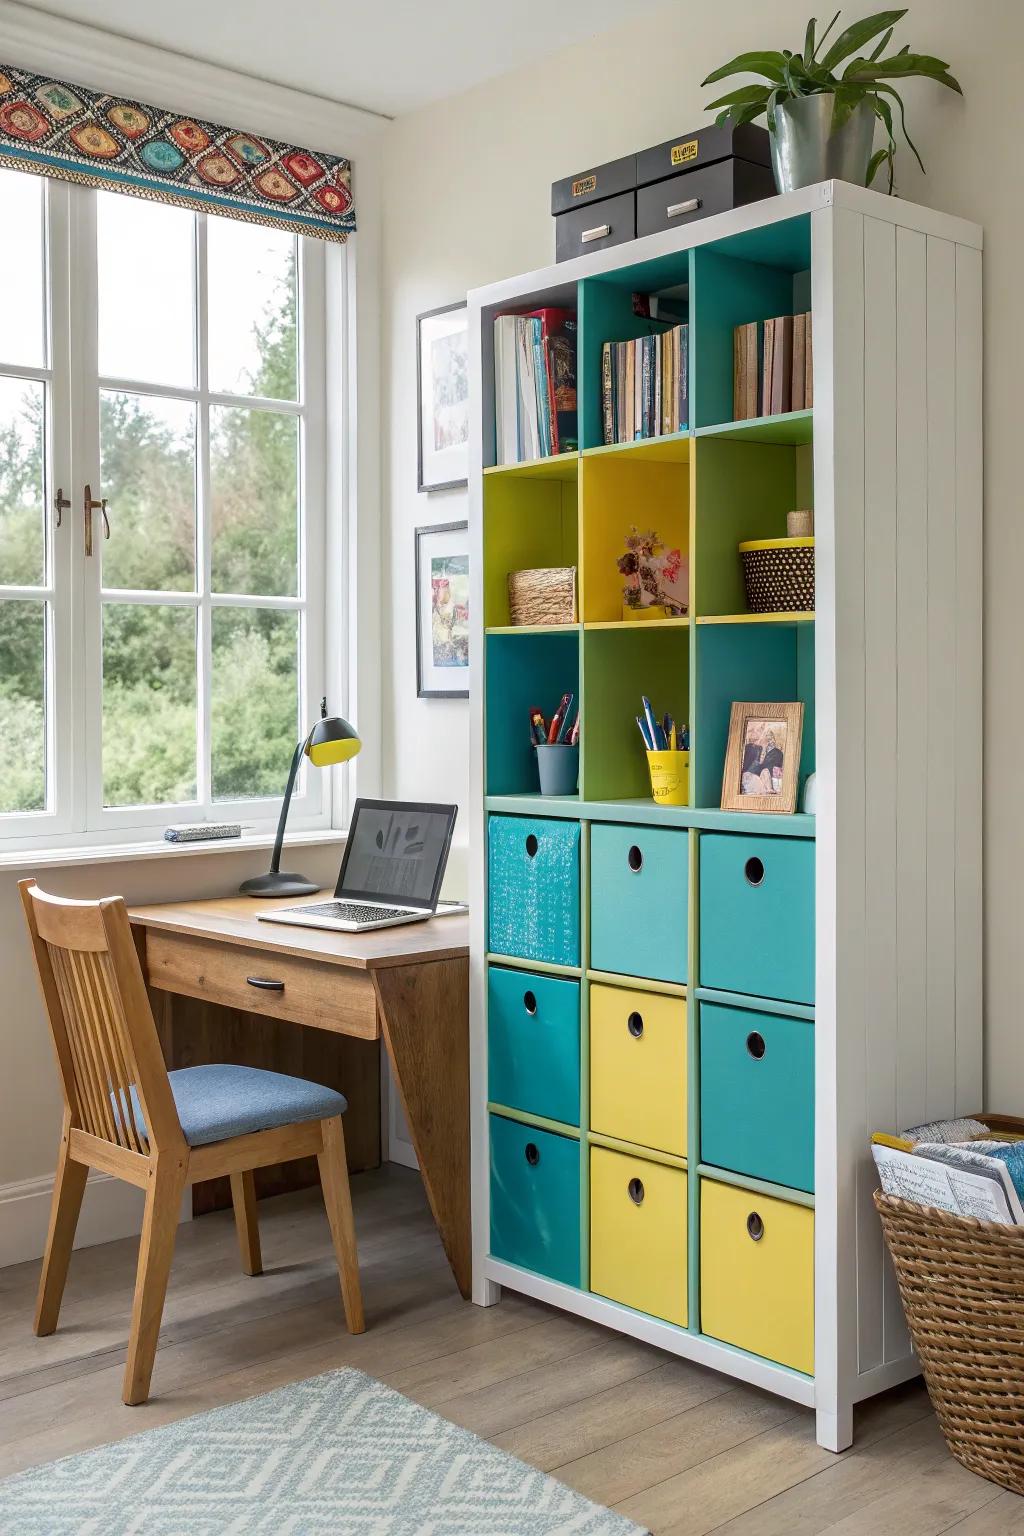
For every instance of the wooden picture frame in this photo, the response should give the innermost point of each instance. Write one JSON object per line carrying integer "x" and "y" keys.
{"x": 753, "y": 779}
{"x": 442, "y": 398}
{"x": 442, "y": 647}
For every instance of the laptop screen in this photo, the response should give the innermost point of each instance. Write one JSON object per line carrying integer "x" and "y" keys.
{"x": 396, "y": 852}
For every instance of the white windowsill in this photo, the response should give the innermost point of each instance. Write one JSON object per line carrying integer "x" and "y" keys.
{"x": 29, "y": 860}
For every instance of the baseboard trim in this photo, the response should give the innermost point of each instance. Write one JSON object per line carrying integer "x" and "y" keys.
{"x": 111, "y": 1209}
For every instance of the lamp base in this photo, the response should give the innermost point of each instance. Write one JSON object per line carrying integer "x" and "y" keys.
{"x": 278, "y": 885}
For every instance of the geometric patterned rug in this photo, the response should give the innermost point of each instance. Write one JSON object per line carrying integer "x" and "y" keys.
{"x": 337, "y": 1455}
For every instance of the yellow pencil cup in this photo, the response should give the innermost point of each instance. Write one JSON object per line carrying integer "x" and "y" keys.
{"x": 670, "y": 777}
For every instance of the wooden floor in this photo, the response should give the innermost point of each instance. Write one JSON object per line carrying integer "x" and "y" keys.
{"x": 678, "y": 1448}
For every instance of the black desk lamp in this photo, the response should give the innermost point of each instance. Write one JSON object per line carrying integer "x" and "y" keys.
{"x": 332, "y": 740}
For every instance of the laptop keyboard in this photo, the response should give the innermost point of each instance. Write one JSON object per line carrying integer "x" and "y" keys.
{"x": 356, "y": 912}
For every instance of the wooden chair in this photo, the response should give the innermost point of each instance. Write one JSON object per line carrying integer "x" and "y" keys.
{"x": 127, "y": 1116}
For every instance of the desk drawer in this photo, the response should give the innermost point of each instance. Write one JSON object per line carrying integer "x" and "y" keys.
{"x": 309, "y": 992}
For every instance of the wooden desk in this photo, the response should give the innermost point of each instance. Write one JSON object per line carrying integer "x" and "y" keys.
{"x": 409, "y": 984}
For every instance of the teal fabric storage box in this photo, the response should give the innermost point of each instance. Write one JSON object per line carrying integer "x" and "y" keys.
{"x": 639, "y": 878}
{"x": 533, "y": 1044}
{"x": 533, "y": 882}
{"x": 757, "y": 1094}
{"x": 535, "y": 1199}
{"x": 757, "y": 915}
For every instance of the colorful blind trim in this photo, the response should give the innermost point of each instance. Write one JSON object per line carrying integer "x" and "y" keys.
{"x": 108, "y": 141}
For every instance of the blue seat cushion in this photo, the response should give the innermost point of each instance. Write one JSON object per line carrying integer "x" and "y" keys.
{"x": 220, "y": 1101}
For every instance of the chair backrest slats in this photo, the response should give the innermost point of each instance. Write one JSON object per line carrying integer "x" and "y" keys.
{"x": 101, "y": 1021}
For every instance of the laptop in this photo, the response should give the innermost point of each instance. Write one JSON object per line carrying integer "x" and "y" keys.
{"x": 395, "y": 859}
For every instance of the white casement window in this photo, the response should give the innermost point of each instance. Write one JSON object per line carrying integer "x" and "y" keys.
{"x": 162, "y": 523}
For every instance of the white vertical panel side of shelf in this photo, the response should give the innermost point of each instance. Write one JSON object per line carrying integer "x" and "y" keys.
{"x": 485, "y": 1292}
{"x": 912, "y": 672}
{"x": 966, "y": 736}
{"x": 875, "y": 1275}
{"x": 943, "y": 721}
{"x": 837, "y": 281}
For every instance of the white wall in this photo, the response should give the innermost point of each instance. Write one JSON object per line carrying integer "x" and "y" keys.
{"x": 466, "y": 202}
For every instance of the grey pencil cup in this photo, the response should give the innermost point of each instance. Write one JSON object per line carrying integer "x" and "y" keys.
{"x": 559, "y": 767}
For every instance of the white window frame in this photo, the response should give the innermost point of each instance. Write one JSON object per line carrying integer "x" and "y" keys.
{"x": 75, "y": 814}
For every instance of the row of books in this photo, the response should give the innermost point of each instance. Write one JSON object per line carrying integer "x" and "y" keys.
{"x": 535, "y": 384}
{"x": 644, "y": 385}
{"x": 771, "y": 367}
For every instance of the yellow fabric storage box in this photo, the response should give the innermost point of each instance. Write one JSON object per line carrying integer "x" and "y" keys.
{"x": 757, "y": 1273}
{"x": 638, "y": 1067}
{"x": 638, "y": 1233}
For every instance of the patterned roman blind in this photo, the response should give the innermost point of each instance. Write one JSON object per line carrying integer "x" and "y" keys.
{"x": 84, "y": 136}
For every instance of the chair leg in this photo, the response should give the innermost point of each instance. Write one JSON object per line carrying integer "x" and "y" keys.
{"x": 338, "y": 1200}
{"x": 156, "y": 1248}
{"x": 243, "y": 1198}
{"x": 68, "y": 1189}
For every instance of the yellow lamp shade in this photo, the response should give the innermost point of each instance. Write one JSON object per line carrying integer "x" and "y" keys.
{"x": 332, "y": 740}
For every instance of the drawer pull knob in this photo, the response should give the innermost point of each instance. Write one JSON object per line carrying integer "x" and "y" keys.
{"x": 755, "y": 1227}
{"x": 690, "y": 206}
{"x": 531, "y": 846}
{"x": 532, "y": 1153}
{"x": 635, "y": 1190}
{"x": 530, "y": 1003}
{"x": 597, "y": 233}
{"x": 753, "y": 871}
{"x": 635, "y": 859}
{"x": 635, "y": 1025}
{"x": 755, "y": 1045}
{"x": 265, "y": 983}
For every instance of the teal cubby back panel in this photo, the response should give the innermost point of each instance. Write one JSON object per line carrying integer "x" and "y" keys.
{"x": 533, "y": 1044}
{"x": 757, "y": 1094}
{"x": 757, "y": 916}
{"x": 535, "y": 1199}
{"x": 533, "y": 875}
{"x": 639, "y": 878}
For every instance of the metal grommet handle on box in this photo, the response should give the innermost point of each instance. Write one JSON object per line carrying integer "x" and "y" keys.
{"x": 755, "y": 1227}
{"x": 753, "y": 871}
{"x": 755, "y": 1045}
{"x": 597, "y": 233}
{"x": 531, "y": 846}
{"x": 530, "y": 1003}
{"x": 635, "y": 859}
{"x": 690, "y": 206}
{"x": 635, "y": 1025}
{"x": 635, "y": 1191}
{"x": 532, "y": 1153}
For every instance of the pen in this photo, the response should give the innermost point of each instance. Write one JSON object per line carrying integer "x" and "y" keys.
{"x": 653, "y": 728}
{"x": 574, "y": 734}
{"x": 564, "y": 729}
{"x": 557, "y": 718}
{"x": 645, "y": 733}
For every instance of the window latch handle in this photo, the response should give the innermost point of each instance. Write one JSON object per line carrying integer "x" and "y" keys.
{"x": 91, "y": 506}
{"x": 60, "y": 504}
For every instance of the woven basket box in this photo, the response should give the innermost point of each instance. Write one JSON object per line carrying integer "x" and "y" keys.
{"x": 545, "y": 596}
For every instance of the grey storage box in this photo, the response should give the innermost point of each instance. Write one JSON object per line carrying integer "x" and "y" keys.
{"x": 595, "y": 208}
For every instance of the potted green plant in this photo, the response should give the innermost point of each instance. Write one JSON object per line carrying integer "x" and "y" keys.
{"x": 822, "y": 122}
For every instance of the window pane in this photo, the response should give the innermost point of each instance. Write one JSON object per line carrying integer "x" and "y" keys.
{"x": 254, "y": 485}
{"x": 251, "y": 310}
{"x": 22, "y": 312}
{"x": 148, "y": 475}
{"x": 255, "y": 701}
{"x": 145, "y": 254}
{"x": 22, "y": 438}
{"x": 149, "y": 704}
{"x": 22, "y": 706}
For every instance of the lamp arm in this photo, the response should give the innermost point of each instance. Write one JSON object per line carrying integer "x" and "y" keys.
{"x": 275, "y": 863}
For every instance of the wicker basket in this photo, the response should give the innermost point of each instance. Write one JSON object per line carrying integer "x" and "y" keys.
{"x": 542, "y": 597}
{"x": 962, "y": 1285}
{"x": 779, "y": 575}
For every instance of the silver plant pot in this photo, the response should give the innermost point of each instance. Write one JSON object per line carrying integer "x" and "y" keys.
{"x": 806, "y": 148}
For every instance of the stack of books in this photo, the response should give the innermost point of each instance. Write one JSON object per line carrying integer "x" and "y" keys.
{"x": 535, "y": 384}
{"x": 771, "y": 367}
{"x": 644, "y": 390}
